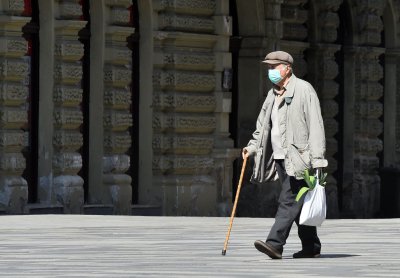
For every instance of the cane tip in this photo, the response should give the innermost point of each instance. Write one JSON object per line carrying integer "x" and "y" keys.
{"x": 223, "y": 252}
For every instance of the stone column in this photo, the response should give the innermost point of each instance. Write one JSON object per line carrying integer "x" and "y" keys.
{"x": 368, "y": 126}
{"x": 60, "y": 116}
{"x": 190, "y": 108}
{"x": 390, "y": 107}
{"x": 324, "y": 70}
{"x": 14, "y": 78}
{"x": 362, "y": 197}
{"x": 117, "y": 100}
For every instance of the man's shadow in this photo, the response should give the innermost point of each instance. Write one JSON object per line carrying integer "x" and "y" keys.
{"x": 335, "y": 256}
{"x": 332, "y": 256}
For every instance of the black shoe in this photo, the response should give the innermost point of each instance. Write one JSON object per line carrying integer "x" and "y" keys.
{"x": 268, "y": 249}
{"x": 305, "y": 254}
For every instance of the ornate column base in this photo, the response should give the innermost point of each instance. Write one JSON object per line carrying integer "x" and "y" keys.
{"x": 119, "y": 192}
{"x": 13, "y": 194}
{"x": 68, "y": 191}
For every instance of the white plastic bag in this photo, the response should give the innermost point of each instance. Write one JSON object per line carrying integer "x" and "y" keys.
{"x": 313, "y": 212}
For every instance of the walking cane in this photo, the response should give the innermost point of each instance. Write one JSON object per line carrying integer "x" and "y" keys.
{"x": 234, "y": 206}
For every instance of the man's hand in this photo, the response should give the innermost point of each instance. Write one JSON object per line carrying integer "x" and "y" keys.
{"x": 245, "y": 153}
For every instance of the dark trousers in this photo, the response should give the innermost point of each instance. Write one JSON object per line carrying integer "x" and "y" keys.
{"x": 289, "y": 212}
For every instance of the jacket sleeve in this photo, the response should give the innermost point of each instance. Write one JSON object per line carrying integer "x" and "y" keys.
{"x": 315, "y": 124}
{"x": 252, "y": 145}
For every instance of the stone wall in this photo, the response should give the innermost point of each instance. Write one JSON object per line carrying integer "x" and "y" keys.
{"x": 192, "y": 152}
{"x": 14, "y": 92}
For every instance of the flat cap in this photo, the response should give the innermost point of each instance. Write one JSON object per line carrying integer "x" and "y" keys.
{"x": 278, "y": 57}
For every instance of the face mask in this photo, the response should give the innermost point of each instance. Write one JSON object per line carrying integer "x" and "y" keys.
{"x": 275, "y": 76}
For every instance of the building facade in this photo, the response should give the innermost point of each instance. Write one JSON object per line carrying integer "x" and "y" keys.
{"x": 142, "y": 106}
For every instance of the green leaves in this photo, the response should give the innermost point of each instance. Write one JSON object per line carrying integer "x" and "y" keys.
{"x": 311, "y": 182}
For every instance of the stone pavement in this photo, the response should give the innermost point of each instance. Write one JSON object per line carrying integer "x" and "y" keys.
{"x": 136, "y": 246}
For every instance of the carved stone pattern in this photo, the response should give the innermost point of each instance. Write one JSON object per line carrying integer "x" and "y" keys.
{"x": 14, "y": 46}
{"x": 120, "y": 16}
{"x": 329, "y": 89}
{"x": 371, "y": 70}
{"x": 67, "y": 162}
{"x": 183, "y": 81}
{"x": 10, "y": 117}
{"x": 330, "y": 108}
{"x": 329, "y": 69}
{"x": 117, "y": 143}
{"x": 117, "y": 74}
{"x": 190, "y": 165}
{"x": 370, "y": 91}
{"x": 67, "y": 141}
{"x": 15, "y": 7}
{"x": 70, "y": 10}
{"x": 294, "y": 32}
{"x": 12, "y": 163}
{"x": 331, "y": 127}
{"x": 12, "y": 138}
{"x": 293, "y": 14}
{"x": 368, "y": 109}
{"x": 186, "y": 23}
{"x": 196, "y": 6}
{"x": 185, "y": 102}
{"x": 329, "y": 5}
{"x": 368, "y": 145}
{"x": 67, "y": 96}
{"x": 368, "y": 127}
{"x": 184, "y": 122}
{"x": 68, "y": 119}
{"x": 117, "y": 120}
{"x": 121, "y": 54}
{"x": 14, "y": 69}
{"x": 68, "y": 72}
{"x": 120, "y": 99}
{"x": 64, "y": 48}
{"x": 366, "y": 164}
{"x": 13, "y": 93}
{"x": 116, "y": 164}
{"x": 189, "y": 61}
{"x": 168, "y": 143}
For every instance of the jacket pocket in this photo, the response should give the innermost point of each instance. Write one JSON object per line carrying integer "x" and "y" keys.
{"x": 299, "y": 155}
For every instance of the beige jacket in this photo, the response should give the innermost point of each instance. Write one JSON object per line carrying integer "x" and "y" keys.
{"x": 302, "y": 133}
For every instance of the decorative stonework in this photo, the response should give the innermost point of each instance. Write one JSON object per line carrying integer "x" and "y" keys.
{"x": 202, "y": 7}
{"x": 117, "y": 120}
{"x": 12, "y": 164}
{"x": 183, "y": 165}
{"x": 191, "y": 47}
{"x": 67, "y": 119}
{"x": 67, "y": 163}
{"x": 68, "y": 9}
{"x": 185, "y": 124}
{"x": 184, "y": 81}
{"x": 13, "y": 94}
{"x": 184, "y": 102}
{"x": 13, "y": 47}
{"x": 67, "y": 96}
{"x": 67, "y": 141}
{"x": 186, "y": 23}
{"x": 13, "y": 7}
{"x": 183, "y": 144}
{"x": 117, "y": 98}
{"x": 117, "y": 117}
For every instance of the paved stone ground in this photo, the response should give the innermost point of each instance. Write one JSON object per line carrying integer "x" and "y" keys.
{"x": 134, "y": 246}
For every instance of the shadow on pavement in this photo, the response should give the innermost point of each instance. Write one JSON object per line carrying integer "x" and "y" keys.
{"x": 335, "y": 256}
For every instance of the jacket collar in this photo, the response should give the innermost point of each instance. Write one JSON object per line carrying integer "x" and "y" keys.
{"x": 290, "y": 86}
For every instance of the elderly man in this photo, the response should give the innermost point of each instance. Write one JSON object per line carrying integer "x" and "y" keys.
{"x": 288, "y": 139}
